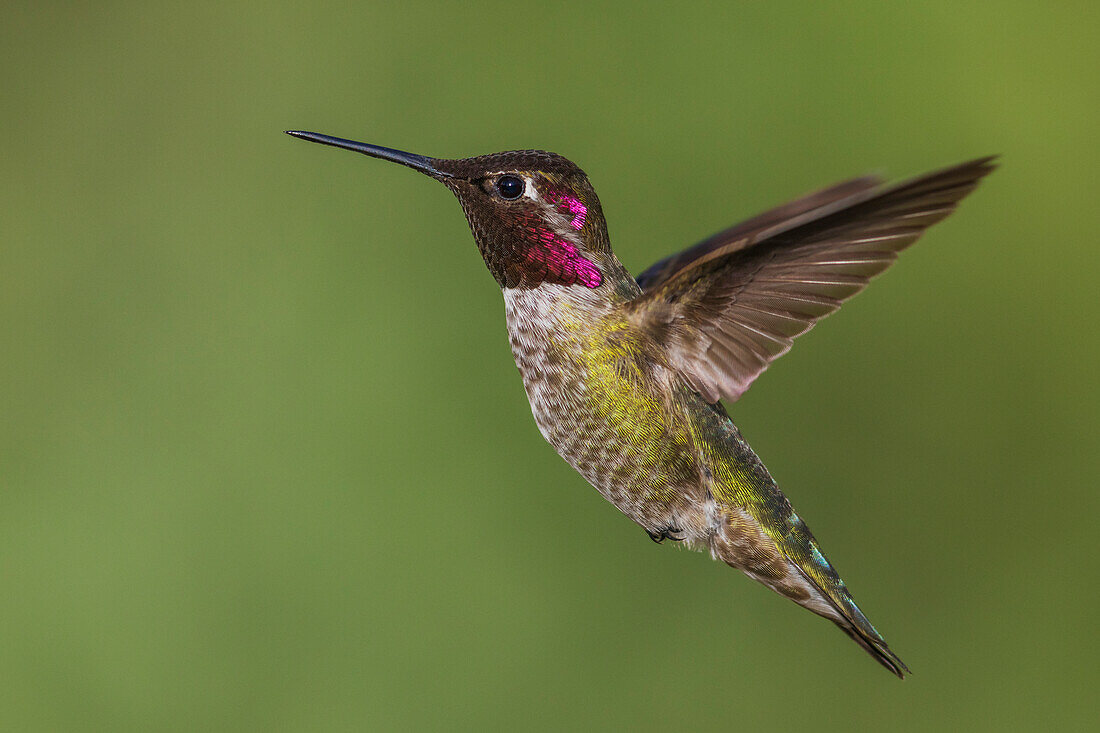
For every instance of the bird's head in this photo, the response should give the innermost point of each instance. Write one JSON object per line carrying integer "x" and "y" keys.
{"x": 535, "y": 216}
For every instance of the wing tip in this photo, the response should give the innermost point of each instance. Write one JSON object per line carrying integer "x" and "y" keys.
{"x": 984, "y": 165}
{"x": 972, "y": 170}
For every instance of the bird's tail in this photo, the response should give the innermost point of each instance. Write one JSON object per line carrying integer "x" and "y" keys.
{"x": 794, "y": 567}
{"x": 843, "y": 611}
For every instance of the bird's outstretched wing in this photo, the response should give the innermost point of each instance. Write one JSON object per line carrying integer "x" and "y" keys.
{"x": 748, "y": 231}
{"x": 730, "y": 305}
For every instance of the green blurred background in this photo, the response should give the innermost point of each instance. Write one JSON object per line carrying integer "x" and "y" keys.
{"x": 266, "y": 463}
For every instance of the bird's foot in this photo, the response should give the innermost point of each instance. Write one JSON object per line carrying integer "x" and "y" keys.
{"x": 668, "y": 532}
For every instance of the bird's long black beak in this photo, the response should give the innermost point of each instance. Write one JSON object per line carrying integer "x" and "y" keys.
{"x": 418, "y": 162}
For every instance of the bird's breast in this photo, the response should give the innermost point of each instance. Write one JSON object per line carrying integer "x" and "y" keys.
{"x": 602, "y": 401}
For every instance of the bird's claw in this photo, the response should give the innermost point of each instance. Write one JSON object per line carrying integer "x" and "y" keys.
{"x": 666, "y": 533}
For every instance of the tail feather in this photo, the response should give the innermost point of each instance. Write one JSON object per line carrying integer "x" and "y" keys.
{"x": 876, "y": 646}
{"x": 849, "y": 619}
{"x": 796, "y": 569}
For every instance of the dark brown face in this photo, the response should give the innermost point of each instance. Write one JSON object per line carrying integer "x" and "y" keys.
{"x": 534, "y": 215}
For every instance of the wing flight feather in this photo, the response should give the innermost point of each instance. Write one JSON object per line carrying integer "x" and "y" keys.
{"x": 729, "y": 306}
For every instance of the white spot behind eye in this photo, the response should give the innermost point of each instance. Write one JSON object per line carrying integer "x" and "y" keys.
{"x": 529, "y": 189}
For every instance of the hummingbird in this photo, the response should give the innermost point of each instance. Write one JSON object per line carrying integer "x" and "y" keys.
{"x": 625, "y": 375}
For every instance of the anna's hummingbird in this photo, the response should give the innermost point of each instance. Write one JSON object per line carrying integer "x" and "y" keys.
{"x": 625, "y": 374}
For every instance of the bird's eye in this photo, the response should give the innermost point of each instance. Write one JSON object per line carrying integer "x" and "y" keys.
{"x": 510, "y": 187}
